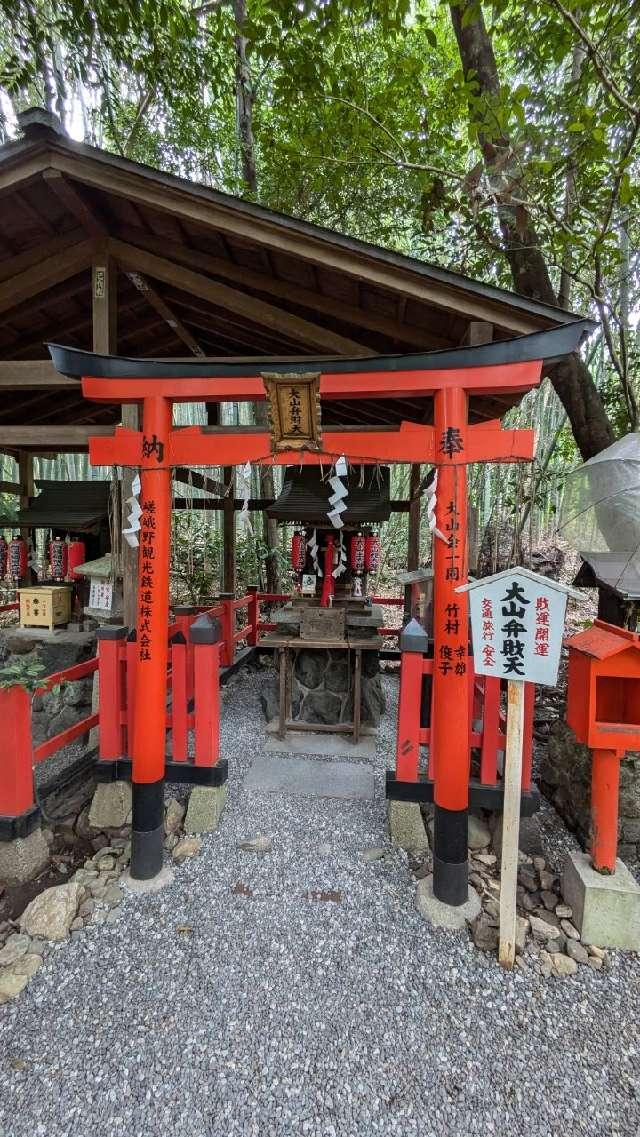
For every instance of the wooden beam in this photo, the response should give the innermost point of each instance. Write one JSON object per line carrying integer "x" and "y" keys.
{"x": 74, "y": 201}
{"x": 44, "y": 275}
{"x": 33, "y": 375}
{"x": 51, "y": 437}
{"x": 255, "y": 504}
{"x": 309, "y": 298}
{"x": 20, "y": 262}
{"x": 12, "y": 487}
{"x": 232, "y": 300}
{"x": 104, "y": 303}
{"x": 156, "y": 301}
{"x": 200, "y": 481}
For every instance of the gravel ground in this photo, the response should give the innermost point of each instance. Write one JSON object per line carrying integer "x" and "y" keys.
{"x": 209, "y": 1012}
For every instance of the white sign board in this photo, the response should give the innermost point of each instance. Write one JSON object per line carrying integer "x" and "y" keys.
{"x": 517, "y": 624}
{"x": 101, "y": 595}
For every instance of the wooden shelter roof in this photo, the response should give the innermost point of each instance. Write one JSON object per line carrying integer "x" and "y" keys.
{"x": 201, "y": 274}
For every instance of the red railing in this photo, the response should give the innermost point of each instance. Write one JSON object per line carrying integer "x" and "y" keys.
{"x": 488, "y": 722}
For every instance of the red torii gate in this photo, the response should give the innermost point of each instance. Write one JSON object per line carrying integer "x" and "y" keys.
{"x": 509, "y": 367}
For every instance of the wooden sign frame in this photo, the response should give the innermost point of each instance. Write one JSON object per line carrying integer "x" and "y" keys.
{"x": 293, "y": 401}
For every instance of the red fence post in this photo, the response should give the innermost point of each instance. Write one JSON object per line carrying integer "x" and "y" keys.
{"x": 605, "y": 784}
{"x": 205, "y": 637}
{"x": 253, "y": 614}
{"x": 413, "y": 645}
{"x": 184, "y": 615}
{"x": 179, "y": 698}
{"x": 228, "y": 628}
{"x": 16, "y": 749}
{"x": 112, "y": 704}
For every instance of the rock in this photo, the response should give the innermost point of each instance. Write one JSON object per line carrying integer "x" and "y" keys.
{"x": 187, "y": 847}
{"x": 569, "y": 930}
{"x": 103, "y": 854}
{"x": 485, "y": 933}
{"x": 320, "y": 707}
{"x": 171, "y": 841}
{"x": 529, "y": 902}
{"x": 562, "y": 965}
{"x": 23, "y": 858}
{"x": 375, "y": 853}
{"x": 492, "y": 908}
{"x": 270, "y": 700}
{"x": 547, "y": 880}
{"x": 77, "y": 924}
{"x": 86, "y": 908}
{"x": 16, "y": 946}
{"x": 564, "y": 911}
{"x": 107, "y": 864}
{"x": 529, "y": 839}
{"x": 111, "y": 805}
{"x": 113, "y": 896}
{"x": 100, "y": 842}
{"x": 486, "y": 858}
{"x": 478, "y": 835}
{"x": 541, "y": 930}
{"x": 113, "y": 916}
{"x": 85, "y": 876}
{"x": 260, "y": 845}
{"x": 173, "y": 816}
{"x": 549, "y": 899}
{"x": 406, "y": 826}
{"x": 595, "y": 963}
{"x": 539, "y": 863}
{"x": 11, "y": 985}
{"x": 546, "y": 963}
{"x": 50, "y": 914}
{"x": 205, "y": 807}
{"x": 528, "y": 877}
{"x": 98, "y": 889}
{"x": 309, "y": 668}
{"x": 549, "y": 918}
{"x": 576, "y": 951}
{"x": 522, "y": 927}
{"x": 596, "y": 952}
{"x": 28, "y": 965}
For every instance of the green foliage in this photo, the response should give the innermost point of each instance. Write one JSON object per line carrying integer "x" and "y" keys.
{"x": 23, "y": 672}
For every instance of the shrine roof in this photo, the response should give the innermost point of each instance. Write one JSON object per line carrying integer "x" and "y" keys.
{"x": 206, "y": 275}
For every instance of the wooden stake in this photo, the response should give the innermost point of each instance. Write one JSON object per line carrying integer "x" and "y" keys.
{"x": 512, "y": 781}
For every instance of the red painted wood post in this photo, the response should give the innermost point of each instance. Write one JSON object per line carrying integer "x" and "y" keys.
{"x": 228, "y": 628}
{"x": 179, "y": 717}
{"x": 450, "y": 706}
{"x": 111, "y": 693}
{"x": 413, "y": 644}
{"x": 605, "y": 781}
{"x": 184, "y": 616}
{"x": 527, "y": 740}
{"x": 490, "y": 731}
{"x": 16, "y": 750}
{"x": 205, "y": 637}
{"x": 130, "y": 656}
{"x": 253, "y": 614}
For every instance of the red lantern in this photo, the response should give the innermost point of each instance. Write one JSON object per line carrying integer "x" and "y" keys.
{"x": 298, "y": 551}
{"x": 59, "y": 557}
{"x": 3, "y": 557}
{"x": 76, "y": 556}
{"x": 18, "y": 558}
{"x": 371, "y": 552}
{"x": 328, "y": 583}
{"x": 356, "y": 553}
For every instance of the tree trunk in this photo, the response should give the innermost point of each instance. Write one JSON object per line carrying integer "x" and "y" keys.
{"x": 570, "y": 377}
{"x": 244, "y": 100}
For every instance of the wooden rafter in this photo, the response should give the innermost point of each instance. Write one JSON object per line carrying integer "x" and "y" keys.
{"x": 46, "y": 274}
{"x": 156, "y": 301}
{"x": 278, "y": 319}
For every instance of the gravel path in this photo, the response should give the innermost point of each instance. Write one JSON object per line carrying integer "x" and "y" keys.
{"x": 205, "y": 1012}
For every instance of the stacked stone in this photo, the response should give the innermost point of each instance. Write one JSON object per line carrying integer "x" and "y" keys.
{"x": 565, "y": 778}
{"x": 322, "y": 688}
{"x": 56, "y": 710}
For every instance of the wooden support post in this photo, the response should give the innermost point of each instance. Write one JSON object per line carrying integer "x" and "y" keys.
{"x": 413, "y": 539}
{"x": 25, "y": 478}
{"x": 282, "y": 702}
{"x": 253, "y": 614}
{"x": 512, "y": 781}
{"x": 357, "y": 695}
{"x": 16, "y": 752}
{"x": 605, "y": 781}
{"x": 111, "y": 692}
{"x": 104, "y": 308}
{"x": 207, "y": 703}
{"x": 229, "y": 532}
{"x": 179, "y": 700}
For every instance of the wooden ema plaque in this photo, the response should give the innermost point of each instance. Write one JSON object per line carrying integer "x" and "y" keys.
{"x": 320, "y": 624}
{"x": 293, "y": 400}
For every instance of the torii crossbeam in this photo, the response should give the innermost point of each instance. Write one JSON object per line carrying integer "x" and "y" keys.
{"x": 451, "y": 378}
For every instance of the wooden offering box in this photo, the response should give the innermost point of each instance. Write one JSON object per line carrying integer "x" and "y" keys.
{"x": 45, "y": 606}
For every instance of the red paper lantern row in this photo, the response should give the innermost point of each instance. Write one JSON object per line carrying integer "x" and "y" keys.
{"x": 371, "y": 552}
{"x": 18, "y": 558}
{"x": 59, "y": 557}
{"x": 4, "y": 553}
{"x": 76, "y": 556}
{"x": 298, "y": 551}
{"x": 356, "y": 552}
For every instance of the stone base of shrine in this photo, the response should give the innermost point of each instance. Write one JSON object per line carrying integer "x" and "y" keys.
{"x": 606, "y": 909}
{"x": 322, "y": 684}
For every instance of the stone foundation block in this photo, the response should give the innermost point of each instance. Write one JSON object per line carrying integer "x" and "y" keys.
{"x": 606, "y": 909}
{"x": 406, "y": 826}
{"x": 23, "y": 858}
{"x": 111, "y": 806}
{"x": 205, "y": 807}
{"x": 440, "y": 915}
